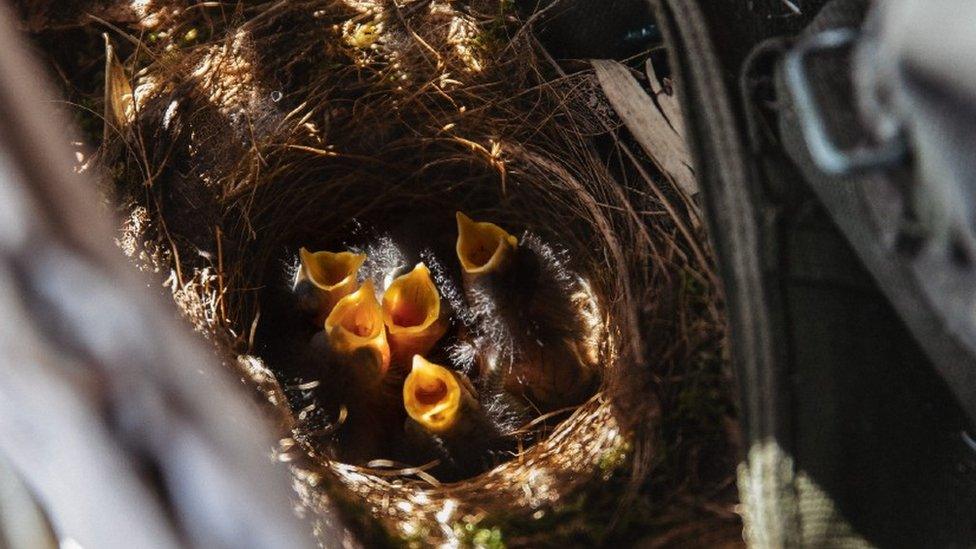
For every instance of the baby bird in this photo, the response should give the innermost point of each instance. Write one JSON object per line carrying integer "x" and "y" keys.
{"x": 485, "y": 250}
{"x": 446, "y": 421}
{"x": 414, "y": 318}
{"x": 323, "y": 278}
{"x": 441, "y": 401}
{"x": 356, "y": 358}
{"x": 527, "y": 328}
{"x": 357, "y": 335}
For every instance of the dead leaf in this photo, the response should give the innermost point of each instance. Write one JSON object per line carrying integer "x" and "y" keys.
{"x": 648, "y": 124}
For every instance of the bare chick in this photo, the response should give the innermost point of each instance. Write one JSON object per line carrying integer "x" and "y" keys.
{"x": 357, "y": 354}
{"x": 527, "y": 326}
{"x": 446, "y": 421}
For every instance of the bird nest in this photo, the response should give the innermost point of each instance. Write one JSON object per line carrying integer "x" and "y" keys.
{"x": 236, "y": 138}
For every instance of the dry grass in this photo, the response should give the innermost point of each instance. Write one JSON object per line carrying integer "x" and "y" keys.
{"x": 257, "y": 127}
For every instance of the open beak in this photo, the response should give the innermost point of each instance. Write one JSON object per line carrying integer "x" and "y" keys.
{"x": 357, "y": 335}
{"x": 412, "y": 311}
{"x": 483, "y": 248}
{"x": 432, "y": 396}
{"x": 332, "y": 276}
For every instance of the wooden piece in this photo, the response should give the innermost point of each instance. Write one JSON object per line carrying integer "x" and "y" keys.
{"x": 648, "y": 124}
{"x": 666, "y": 99}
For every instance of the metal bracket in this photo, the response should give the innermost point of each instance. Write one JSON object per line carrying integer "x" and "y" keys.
{"x": 826, "y": 155}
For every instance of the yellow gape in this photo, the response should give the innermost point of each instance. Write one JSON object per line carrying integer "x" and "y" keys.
{"x": 333, "y": 275}
{"x": 412, "y": 310}
{"x": 483, "y": 248}
{"x": 432, "y": 396}
{"x": 357, "y": 335}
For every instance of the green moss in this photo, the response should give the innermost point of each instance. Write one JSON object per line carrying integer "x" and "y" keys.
{"x": 488, "y": 539}
{"x": 701, "y": 402}
{"x": 471, "y": 534}
{"x": 416, "y": 540}
{"x": 591, "y": 516}
{"x": 495, "y": 32}
{"x": 612, "y": 459}
{"x": 191, "y": 36}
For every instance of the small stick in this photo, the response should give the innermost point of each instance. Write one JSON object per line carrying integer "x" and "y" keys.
{"x": 220, "y": 273}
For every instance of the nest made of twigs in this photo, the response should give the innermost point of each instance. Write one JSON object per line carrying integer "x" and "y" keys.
{"x": 236, "y": 139}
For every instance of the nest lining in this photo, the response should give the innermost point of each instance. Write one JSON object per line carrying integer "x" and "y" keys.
{"x": 317, "y": 123}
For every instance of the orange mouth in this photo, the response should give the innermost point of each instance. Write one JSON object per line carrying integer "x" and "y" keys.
{"x": 412, "y": 312}
{"x": 356, "y": 331}
{"x": 432, "y": 396}
{"x": 483, "y": 248}
{"x": 333, "y": 275}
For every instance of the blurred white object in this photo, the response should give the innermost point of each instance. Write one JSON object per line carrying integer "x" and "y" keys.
{"x": 22, "y": 523}
{"x": 915, "y": 76}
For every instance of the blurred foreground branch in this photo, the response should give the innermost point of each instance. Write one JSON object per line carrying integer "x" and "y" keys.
{"x": 116, "y": 418}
